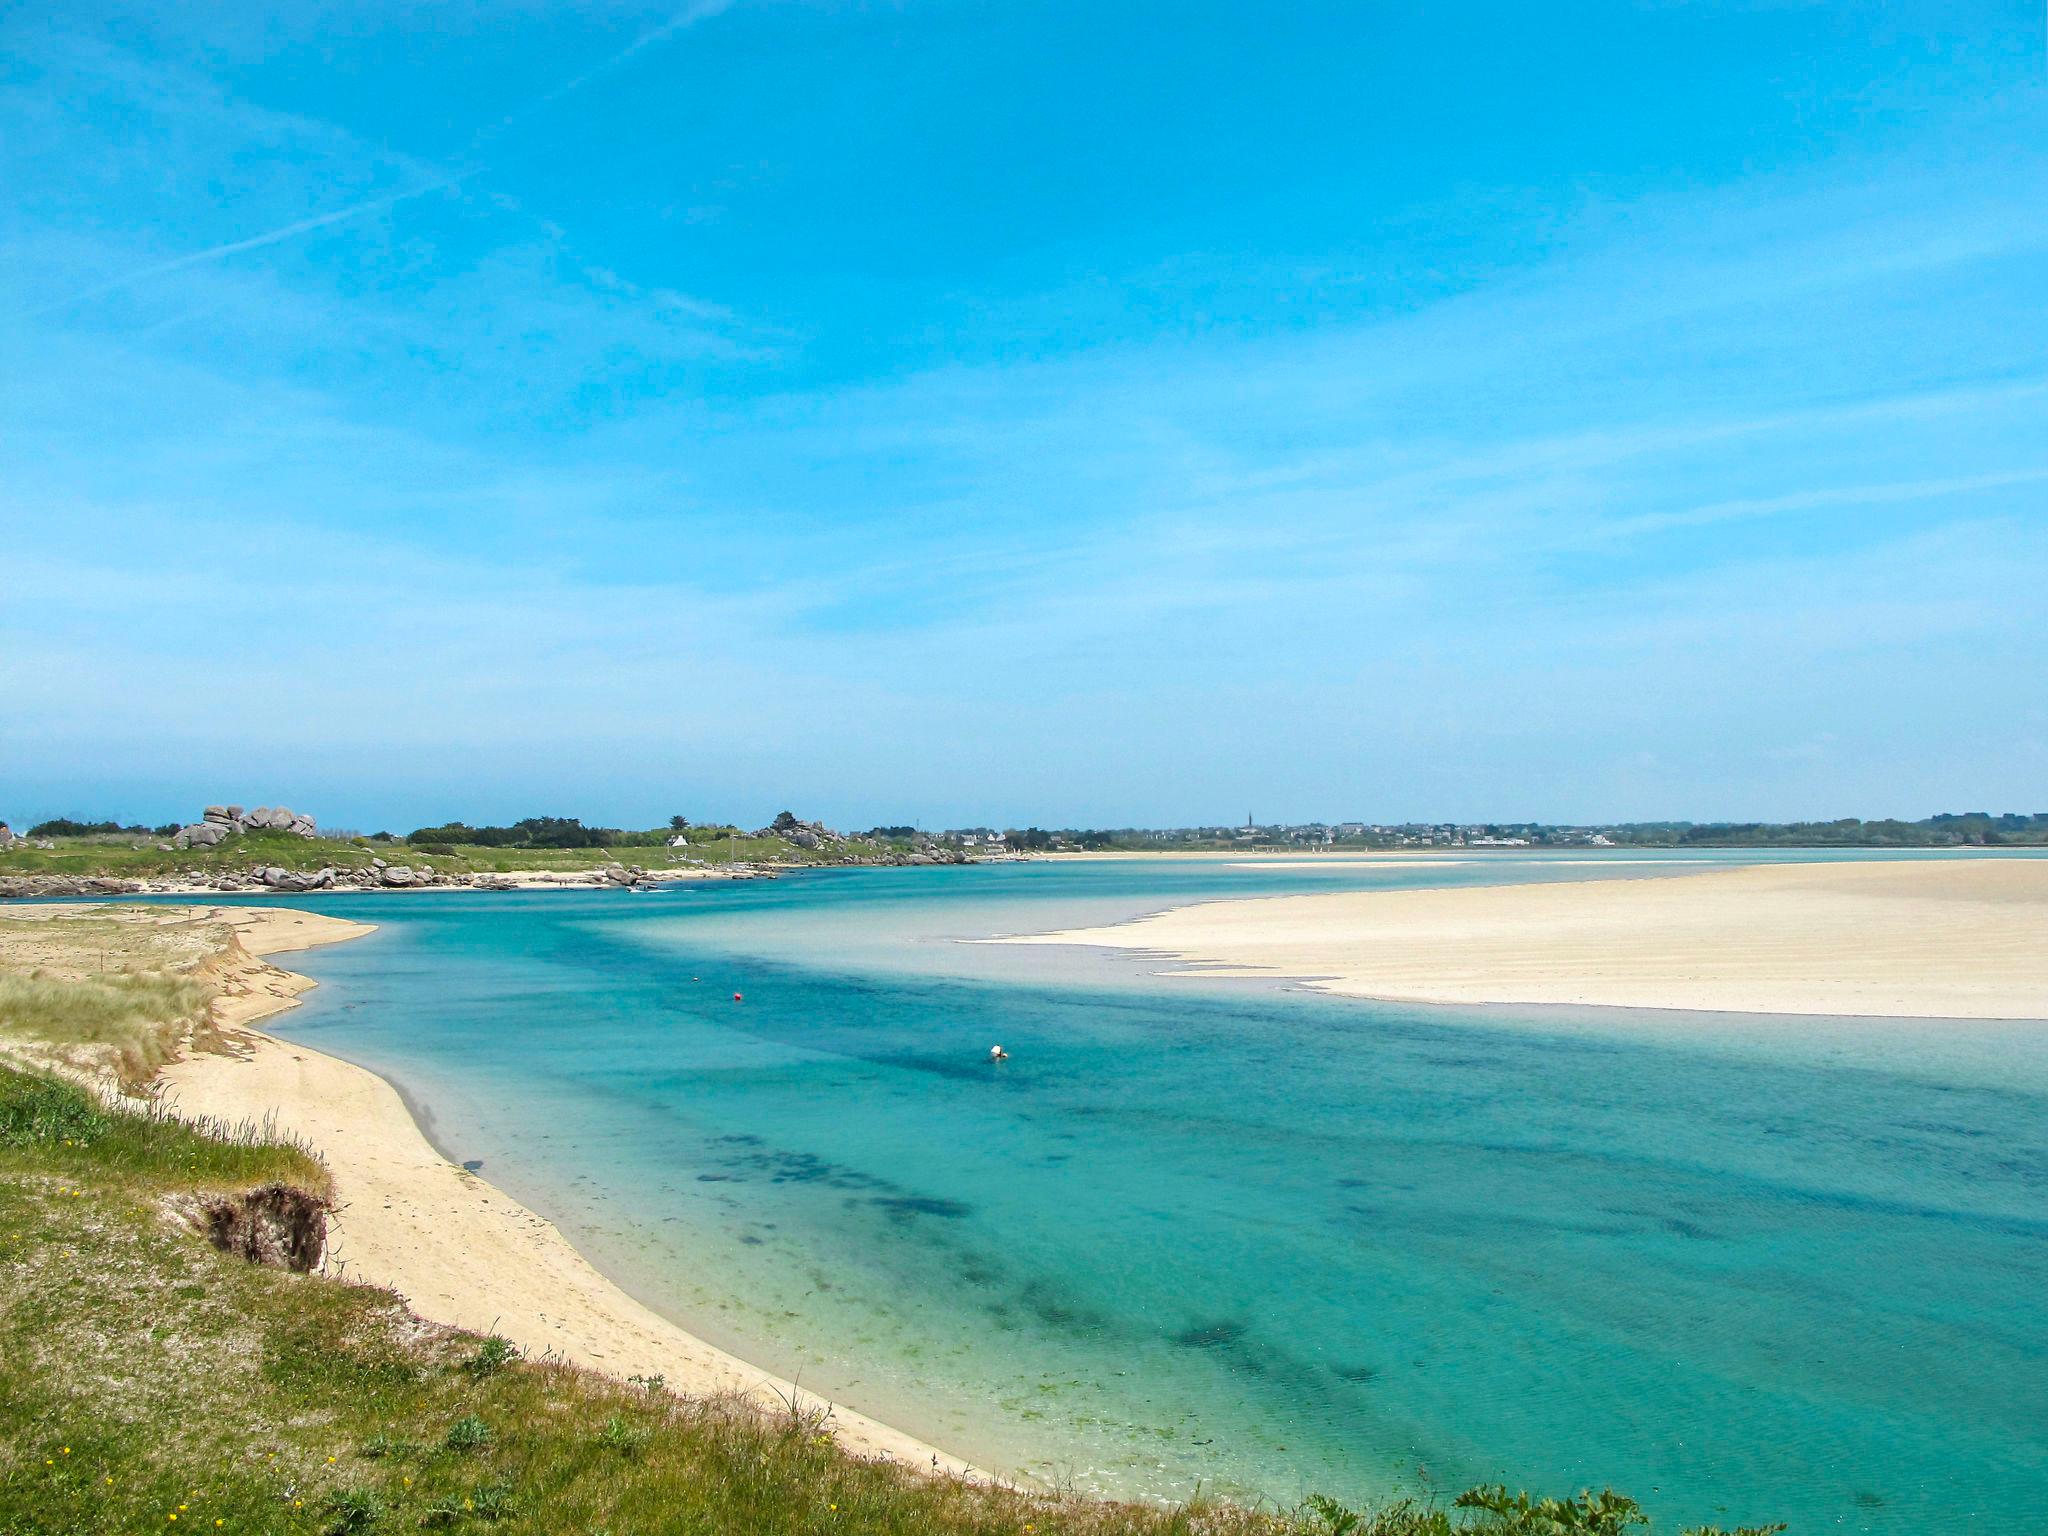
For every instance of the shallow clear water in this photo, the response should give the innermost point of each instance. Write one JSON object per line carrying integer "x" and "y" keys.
{"x": 1215, "y": 1230}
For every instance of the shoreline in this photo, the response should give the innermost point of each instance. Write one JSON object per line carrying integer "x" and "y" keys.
{"x": 40, "y": 886}
{"x": 1896, "y": 939}
{"x": 49, "y": 887}
{"x": 459, "y": 1251}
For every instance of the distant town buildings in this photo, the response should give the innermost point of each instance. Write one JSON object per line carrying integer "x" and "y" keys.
{"x": 1362, "y": 835}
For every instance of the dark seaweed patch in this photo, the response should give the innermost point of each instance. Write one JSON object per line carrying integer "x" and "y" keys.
{"x": 1054, "y": 1310}
{"x": 805, "y": 1168}
{"x": 1941, "y": 1128}
{"x": 905, "y": 1206}
{"x": 1674, "y": 1225}
{"x": 1223, "y": 1335}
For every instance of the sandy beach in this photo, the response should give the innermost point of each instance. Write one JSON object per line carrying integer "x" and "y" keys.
{"x": 1963, "y": 937}
{"x": 458, "y": 1250}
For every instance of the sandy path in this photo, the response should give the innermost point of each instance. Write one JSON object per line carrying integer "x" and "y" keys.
{"x": 1950, "y": 937}
{"x": 458, "y": 1250}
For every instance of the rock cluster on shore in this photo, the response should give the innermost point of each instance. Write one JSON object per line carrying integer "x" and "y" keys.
{"x": 929, "y": 850}
{"x": 816, "y": 836}
{"x": 804, "y": 834}
{"x": 219, "y": 822}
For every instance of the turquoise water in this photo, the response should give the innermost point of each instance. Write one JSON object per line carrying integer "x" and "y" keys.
{"x": 1236, "y": 1233}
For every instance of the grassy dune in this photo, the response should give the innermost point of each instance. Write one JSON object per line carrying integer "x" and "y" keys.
{"x": 102, "y": 991}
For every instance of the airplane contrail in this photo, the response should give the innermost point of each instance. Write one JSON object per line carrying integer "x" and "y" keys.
{"x": 702, "y": 10}
{"x": 688, "y": 16}
{"x": 232, "y": 247}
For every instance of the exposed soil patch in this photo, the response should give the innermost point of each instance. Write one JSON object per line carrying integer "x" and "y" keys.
{"x": 280, "y": 1225}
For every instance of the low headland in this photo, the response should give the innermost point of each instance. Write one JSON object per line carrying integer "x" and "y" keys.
{"x": 231, "y": 850}
{"x": 243, "y": 1292}
{"x": 1956, "y": 936}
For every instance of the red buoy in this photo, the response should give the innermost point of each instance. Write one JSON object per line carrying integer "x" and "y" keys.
{"x": 737, "y": 998}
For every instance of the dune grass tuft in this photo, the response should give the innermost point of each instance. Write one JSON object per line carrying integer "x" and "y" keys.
{"x": 130, "y": 1019}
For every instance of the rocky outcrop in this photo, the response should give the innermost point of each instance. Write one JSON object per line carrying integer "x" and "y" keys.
{"x": 7, "y": 837}
{"x": 805, "y": 834}
{"x": 220, "y": 822}
{"x": 278, "y": 819}
{"x": 278, "y": 878}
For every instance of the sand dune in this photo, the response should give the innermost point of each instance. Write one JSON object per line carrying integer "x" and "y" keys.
{"x": 1942, "y": 937}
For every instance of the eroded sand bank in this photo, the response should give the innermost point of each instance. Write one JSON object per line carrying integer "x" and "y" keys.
{"x": 1953, "y": 937}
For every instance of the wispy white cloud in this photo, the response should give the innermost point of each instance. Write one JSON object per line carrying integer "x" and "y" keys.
{"x": 1689, "y": 491}
{"x": 1824, "y": 499}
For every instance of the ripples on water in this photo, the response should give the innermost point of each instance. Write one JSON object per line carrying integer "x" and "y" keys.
{"x": 1273, "y": 1241}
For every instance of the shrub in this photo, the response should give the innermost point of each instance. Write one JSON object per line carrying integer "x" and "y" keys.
{"x": 491, "y": 1357}
{"x": 491, "y": 1501}
{"x": 1588, "y": 1514}
{"x": 626, "y": 1439}
{"x": 42, "y": 1111}
{"x": 466, "y": 1434}
{"x": 64, "y": 826}
{"x": 353, "y": 1509}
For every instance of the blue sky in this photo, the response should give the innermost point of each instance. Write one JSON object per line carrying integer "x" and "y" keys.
{"x": 1057, "y": 413}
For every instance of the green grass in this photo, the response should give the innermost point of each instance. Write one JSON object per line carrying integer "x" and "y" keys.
{"x": 141, "y": 858}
